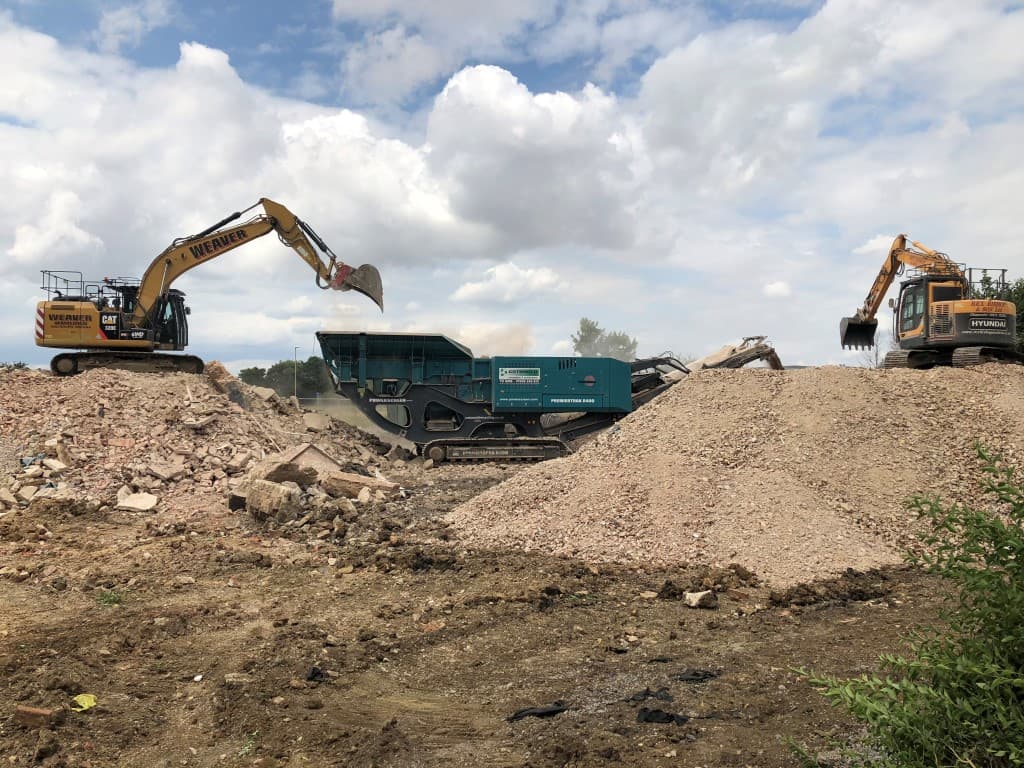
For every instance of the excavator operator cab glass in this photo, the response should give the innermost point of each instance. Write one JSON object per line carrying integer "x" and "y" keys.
{"x": 911, "y": 307}
{"x": 173, "y": 328}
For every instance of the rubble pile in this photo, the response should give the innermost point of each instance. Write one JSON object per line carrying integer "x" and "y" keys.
{"x": 793, "y": 474}
{"x": 109, "y": 439}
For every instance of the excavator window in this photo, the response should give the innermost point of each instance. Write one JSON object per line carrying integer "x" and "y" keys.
{"x": 911, "y": 308}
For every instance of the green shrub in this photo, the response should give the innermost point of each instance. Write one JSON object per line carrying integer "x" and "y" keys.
{"x": 958, "y": 698}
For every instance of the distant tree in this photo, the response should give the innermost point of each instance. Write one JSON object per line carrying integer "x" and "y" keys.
{"x": 620, "y": 346}
{"x": 310, "y": 377}
{"x": 591, "y": 340}
{"x": 256, "y": 377}
{"x": 585, "y": 342}
{"x": 989, "y": 288}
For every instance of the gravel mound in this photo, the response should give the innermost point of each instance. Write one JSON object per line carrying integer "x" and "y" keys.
{"x": 794, "y": 474}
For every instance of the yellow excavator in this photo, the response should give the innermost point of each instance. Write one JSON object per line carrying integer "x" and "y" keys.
{"x": 938, "y": 318}
{"x": 131, "y": 323}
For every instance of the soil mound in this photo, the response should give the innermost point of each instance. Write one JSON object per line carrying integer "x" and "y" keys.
{"x": 794, "y": 474}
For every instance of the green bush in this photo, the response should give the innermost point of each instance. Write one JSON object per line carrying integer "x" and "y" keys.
{"x": 958, "y": 699}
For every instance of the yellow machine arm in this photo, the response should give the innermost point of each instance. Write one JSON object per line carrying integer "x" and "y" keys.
{"x": 188, "y": 252}
{"x": 858, "y": 331}
{"x": 900, "y": 255}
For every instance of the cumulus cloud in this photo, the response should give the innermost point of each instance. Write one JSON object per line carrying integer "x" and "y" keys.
{"x": 508, "y": 283}
{"x": 127, "y": 25}
{"x": 877, "y": 246}
{"x": 778, "y": 289}
{"x": 542, "y": 169}
{"x": 388, "y": 66}
{"x": 747, "y": 155}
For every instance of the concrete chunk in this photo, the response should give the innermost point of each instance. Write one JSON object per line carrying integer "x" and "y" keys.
{"x": 349, "y": 484}
{"x": 316, "y": 422}
{"x": 54, "y": 465}
{"x": 705, "y": 599}
{"x": 138, "y": 502}
{"x": 265, "y": 499}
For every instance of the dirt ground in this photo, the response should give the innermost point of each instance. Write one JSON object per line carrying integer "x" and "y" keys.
{"x": 209, "y": 641}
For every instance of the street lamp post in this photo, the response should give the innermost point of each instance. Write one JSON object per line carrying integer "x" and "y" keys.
{"x": 295, "y": 376}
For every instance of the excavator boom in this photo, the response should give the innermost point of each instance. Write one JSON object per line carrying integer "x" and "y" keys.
{"x": 189, "y": 252}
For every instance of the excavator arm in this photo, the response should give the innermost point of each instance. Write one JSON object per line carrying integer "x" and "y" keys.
{"x": 189, "y": 252}
{"x": 858, "y": 331}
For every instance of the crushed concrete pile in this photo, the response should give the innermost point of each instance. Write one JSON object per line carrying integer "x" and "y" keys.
{"x": 793, "y": 474}
{"x": 116, "y": 439}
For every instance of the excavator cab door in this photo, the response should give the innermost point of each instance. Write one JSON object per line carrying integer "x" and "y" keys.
{"x": 910, "y": 318}
{"x": 172, "y": 323}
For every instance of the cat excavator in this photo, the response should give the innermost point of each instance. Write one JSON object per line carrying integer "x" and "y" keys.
{"x": 131, "y": 323}
{"x": 939, "y": 317}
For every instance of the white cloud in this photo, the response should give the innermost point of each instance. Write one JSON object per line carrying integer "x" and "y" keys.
{"x": 877, "y": 246}
{"x": 778, "y": 289}
{"x": 508, "y": 284}
{"x": 543, "y": 169}
{"x": 748, "y": 155}
{"x": 57, "y": 235}
{"x": 126, "y": 26}
{"x": 390, "y": 65}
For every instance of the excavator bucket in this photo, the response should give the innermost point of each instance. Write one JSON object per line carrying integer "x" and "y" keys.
{"x": 364, "y": 280}
{"x": 857, "y": 334}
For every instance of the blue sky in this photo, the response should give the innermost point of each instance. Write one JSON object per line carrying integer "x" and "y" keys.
{"x": 688, "y": 172}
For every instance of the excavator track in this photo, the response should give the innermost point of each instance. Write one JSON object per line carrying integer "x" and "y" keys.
{"x": 495, "y": 449}
{"x": 916, "y": 359}
{"x": 72, "y": 363}
{"x": 968, "y": 356}
{"x": 896, "y": 360}
{"x": 964, "y": 357}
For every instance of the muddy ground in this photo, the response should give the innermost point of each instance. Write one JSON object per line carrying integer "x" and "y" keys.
{"x": 210, "y": 641}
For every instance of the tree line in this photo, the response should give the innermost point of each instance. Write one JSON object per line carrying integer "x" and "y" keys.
{"x": 304, "y": 378}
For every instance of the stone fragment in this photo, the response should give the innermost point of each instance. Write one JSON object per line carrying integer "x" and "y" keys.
{"x": 166, "y": 472}
{"x": 364, "y": 495}
{"x": 349, "y": 484}
{"x": 138, "y": 502}
{"x": 37, "y": 717}
{"x": 268, "y": 500}
{"x": 264, "y": 393}
{"x": 55, "y": 465}
{"x": 704, "y": 599}
{"x": 238, "y": 679}
{"x": 238, "y": 462}
{"x": 316, "y": 422}
{"x": 8, "y": 498}
{"x": 26, "y": 492}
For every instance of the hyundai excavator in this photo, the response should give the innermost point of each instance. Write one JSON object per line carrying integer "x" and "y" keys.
{"x": 131, "y": 323}
{"x": 939, "y": 318}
